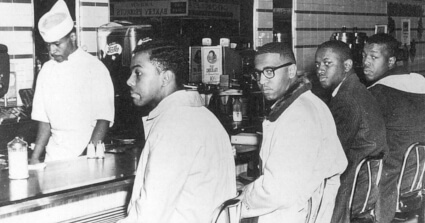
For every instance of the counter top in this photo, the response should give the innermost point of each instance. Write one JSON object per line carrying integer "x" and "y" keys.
{"x": 68, "y": 175}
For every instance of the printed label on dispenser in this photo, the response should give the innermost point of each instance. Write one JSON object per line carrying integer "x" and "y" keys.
{"x": 211, "y": 64}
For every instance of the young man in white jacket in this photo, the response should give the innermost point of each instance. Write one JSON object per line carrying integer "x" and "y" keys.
{"x": 401, "y": 98}
{"x": 186, "y": 168}
{"x": 300, "y": 151}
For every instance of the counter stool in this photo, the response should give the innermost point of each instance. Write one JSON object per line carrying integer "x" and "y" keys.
{"x": 411, "y": 199}
{"x": 232, "y": 210}
{"x": 367, "y": 213}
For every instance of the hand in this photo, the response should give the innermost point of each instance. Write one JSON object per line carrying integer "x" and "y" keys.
{"x": 34, "y": 161}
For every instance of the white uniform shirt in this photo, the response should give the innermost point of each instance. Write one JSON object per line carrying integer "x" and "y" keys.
{"x": 72, "y": 96}
{"x": 186, "y": 169}
{"x": 299, "y": 150}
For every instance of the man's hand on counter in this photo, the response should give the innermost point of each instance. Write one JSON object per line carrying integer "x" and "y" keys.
{"x": 34, "y": 161}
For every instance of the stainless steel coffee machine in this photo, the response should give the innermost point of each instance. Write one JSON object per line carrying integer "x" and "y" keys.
{"x": 355, "y": 41}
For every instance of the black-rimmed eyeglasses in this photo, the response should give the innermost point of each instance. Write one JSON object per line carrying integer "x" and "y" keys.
{"x": 268, "y": 72}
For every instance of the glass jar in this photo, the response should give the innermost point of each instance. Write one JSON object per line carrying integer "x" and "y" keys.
{"x": 18, "y": 159}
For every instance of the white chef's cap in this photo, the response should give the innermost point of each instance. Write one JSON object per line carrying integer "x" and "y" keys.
{"x": 56, "y": 23}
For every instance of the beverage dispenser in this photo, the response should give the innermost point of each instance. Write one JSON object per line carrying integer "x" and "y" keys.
{"x": 355, "y": 41}
{"x": 115, "y": 44}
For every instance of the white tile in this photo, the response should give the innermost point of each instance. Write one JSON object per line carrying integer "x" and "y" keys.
{"x": 23, "y": 9}
{"x": 265, "y": 4}
{"x": 94, "y": 16}
{"x": 96, "y": 1}
{"x": 89, "y": 41}
{"x": 7, "y": 37}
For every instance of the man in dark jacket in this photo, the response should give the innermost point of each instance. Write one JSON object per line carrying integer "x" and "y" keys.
{"x": 401, "y": 98}
{"x": 359, "y": 122}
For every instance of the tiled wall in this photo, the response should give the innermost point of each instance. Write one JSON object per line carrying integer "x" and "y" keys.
{"x": 263, "y": 22}
{"x": 16, "y": 32}
{"x": 92, "y": 14}
{"x": 316, "y": 20}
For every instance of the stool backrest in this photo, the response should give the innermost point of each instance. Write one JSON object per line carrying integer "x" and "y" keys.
{"x": 411, "y": 198}
{"x": 232, "y": 210}
{"x": 373, "y": 181}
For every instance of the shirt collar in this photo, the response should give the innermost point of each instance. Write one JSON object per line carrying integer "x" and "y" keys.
{"x": 337, "y": 89}
{"x": 181, "y": 98}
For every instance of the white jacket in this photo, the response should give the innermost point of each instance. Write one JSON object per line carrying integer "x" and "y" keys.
{"x": 186, "y": 169}
{"x": 299, "y": 151}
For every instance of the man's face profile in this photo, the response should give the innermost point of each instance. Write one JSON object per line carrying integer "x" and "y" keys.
{"x": 375, "y": 61}
{"x": 275, "y": 87}
{"x": 144, "y": 81}
{"x": 329, "y": 68}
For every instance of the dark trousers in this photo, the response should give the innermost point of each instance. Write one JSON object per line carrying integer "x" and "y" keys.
{"x": 387, "y": 200}
{"x": 341, "y": 212}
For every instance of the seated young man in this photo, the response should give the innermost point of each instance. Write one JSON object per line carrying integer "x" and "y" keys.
{"x": 401, "y": 98}
{"x": 359, "y": 122}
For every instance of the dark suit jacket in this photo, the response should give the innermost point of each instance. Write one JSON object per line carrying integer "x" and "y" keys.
{"x": 361, "y": 130}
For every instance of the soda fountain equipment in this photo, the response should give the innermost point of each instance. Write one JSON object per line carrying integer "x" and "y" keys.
{"x": 115, "y": 44}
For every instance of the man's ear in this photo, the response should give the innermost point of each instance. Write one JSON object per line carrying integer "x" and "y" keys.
{"x": 73, "y": 38}
{"x": 167, "y": 77}
{"x": 348, "y": 65}
{"x": 392, "y": 62}
{"x": 292, "y": 71}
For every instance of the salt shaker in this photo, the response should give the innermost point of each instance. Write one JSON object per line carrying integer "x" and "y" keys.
{"x": 18, "y": 159}
{"x": 91, "y": 153}
{"x": 100, "y": 150}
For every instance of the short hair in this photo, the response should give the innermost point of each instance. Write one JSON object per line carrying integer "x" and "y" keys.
{"x": 169, "y": 56}
{"x": 283, "y": 49}
{"x": 389, "y": 43}
{"x": 339, "y": 47}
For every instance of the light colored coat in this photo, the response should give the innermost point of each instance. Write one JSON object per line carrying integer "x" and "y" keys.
{"x": 187, "y": 168}
{"x": 299, "y": 151}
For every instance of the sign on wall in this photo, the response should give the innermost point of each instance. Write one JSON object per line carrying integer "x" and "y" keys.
{"x": 229, "y": 9}
{"x": 146, "y": 8}
{"x": 214, "y": 9}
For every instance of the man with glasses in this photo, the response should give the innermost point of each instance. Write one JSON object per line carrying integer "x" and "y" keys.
{"x": 300, "y": 150}
{"x": 359, "y": 122}
{"x": 74, "y": 97}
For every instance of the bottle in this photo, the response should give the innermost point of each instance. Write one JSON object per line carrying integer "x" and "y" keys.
{"x": 237, "y": 110}
{"x": 18, "y": 159}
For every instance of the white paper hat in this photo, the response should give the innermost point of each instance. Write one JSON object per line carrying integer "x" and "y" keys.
{"x": 56, "y": 23}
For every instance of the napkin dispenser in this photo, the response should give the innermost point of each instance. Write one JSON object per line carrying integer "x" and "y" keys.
{"x": 245, "y": 139}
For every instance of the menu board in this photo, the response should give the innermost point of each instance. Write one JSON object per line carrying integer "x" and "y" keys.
{"x": 211, "y": 64}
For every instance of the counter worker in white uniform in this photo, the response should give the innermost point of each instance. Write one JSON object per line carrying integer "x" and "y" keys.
{"x": 186, "y": 168}
{"x": 300, "y": 150}
{"x": 74, "y": 96}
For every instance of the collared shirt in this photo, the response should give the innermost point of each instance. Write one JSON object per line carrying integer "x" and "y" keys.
{"x": 72, "y": 96}
{"x": 187, "y": 168}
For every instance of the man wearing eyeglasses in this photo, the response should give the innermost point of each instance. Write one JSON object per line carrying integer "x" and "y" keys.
{"x": 359, "y": 121}
{"x": 300, "y": 150}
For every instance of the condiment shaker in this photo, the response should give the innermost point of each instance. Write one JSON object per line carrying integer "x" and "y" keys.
{"x": 18, "y": 159}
